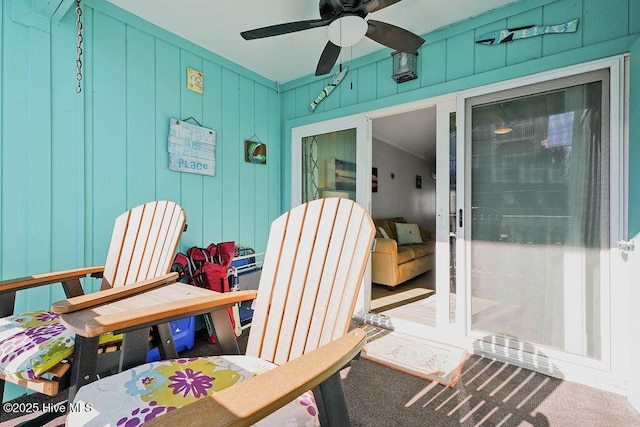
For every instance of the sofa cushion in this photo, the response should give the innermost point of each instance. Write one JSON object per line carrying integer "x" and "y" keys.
{"x": 383, "y": 232}
{"x": 405, "y": 254}
{"x": 392, "y": 226}
{"x": 386, "y": 226}
{"x": 425, "y": 234}
{"x": 389, "y": 225}
{"x": 423, "y": 249}
{"x": 408, "y": 233}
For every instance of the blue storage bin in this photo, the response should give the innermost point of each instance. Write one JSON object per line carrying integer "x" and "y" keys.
{"x": 184, "y": 333}
{"x": 245, "y": 314}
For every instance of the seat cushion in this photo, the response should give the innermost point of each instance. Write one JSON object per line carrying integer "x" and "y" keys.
{"x": 31, "y": 343}
{"x": 423, "y": 249}
{"x": 405, "y": 254}
{"x": 140, "y": 394}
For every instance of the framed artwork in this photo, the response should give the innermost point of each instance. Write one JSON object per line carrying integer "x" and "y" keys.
{"x": 418, "y": 181}
{"x": 345, "y": 175}
{"x": 195, "y": 80}
{"x": 374, "y": 180}
{"x": 255, "y": 152}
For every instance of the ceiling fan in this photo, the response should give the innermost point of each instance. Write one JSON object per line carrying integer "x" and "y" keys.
{"x": 346, "y": 26}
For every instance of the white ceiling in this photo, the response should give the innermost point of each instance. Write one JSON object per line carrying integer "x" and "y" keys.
{"x": 216, "y": 26}
{"x": 413, "y": 132}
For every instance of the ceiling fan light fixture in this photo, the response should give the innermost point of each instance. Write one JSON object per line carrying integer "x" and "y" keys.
{"x": 347, "y": 30}
{"x": 503, "y": 125}
{"x": 503, "y": 129}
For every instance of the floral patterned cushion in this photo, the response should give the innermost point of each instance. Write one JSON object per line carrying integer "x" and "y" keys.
{"x": 31, "y": 343}
{"x": 138, "y": 395}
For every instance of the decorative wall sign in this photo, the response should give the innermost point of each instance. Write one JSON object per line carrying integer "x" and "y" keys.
{"x": 195, "y": 80}
{"x": 255, "y": 152}
{"x": 191, "y": 148}
{"x": 418, "y": 181}
{"x": 337, "y": 78}
{"x": 504, "y": 36}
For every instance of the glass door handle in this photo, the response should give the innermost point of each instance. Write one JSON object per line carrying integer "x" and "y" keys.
{"x": 460, "y": 218}
{"x": 626, "y": 245}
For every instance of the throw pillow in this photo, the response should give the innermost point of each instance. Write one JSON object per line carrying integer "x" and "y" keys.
{"x": 408, "y": 233}
{"x": 383, "y": 232}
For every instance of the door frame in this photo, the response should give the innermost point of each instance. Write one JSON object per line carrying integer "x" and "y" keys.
{"x": 571, "y": 367}
{"x": 443, "y": 233}
{"x": 362, "y": 124}
{"x": 442, "y": 331}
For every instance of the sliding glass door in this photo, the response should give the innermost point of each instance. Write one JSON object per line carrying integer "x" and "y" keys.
{"x": 333, "y": 159}
{"x": 329, "y": 165}
{"x": 537, "y": 199}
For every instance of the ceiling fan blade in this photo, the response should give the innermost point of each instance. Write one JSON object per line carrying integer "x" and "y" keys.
{"x": 374, "y": 5}
{"x": 394, "y": 37}
{"x": 328, "y": 58}
{"x": 289, "y": 27}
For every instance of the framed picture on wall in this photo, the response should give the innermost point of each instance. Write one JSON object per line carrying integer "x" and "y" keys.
{"x": 418, "y": 181}
{"x": 374, "y": 180}
{"x": 345, "y": 175}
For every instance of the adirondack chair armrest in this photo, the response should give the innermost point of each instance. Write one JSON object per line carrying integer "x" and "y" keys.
{"x": 252, "y": 400}
{"x": 27, "y": 282}
{"x": 108, "y": 295}
{"x": 137, "y": 318}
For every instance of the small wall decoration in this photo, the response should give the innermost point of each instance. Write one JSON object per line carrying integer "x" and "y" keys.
{"x": 341, "y": 175}
{"x": 195, "y": 80}
{"x": 337, "y": 78}
{"x": 510, "y": 34}
{"x": 255, "y": 152}
{"x": 418, "y": 181}
{"x": 374, "y": 180}
{"x": 345, "y": 175}
{"x": 191, "y": 148}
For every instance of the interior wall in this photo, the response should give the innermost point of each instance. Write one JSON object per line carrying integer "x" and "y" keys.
{"x": 398, "y": 196}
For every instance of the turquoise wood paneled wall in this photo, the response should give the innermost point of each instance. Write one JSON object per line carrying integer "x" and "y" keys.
{"x": 70, "y": 163}
{"x": 450, "y": 61}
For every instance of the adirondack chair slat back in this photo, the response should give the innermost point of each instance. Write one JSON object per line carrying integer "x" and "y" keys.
{"x": 313, "y": 268}
{"x": 144, "y": 243}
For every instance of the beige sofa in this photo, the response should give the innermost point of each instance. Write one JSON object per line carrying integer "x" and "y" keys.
{"x": 393, "y": 264}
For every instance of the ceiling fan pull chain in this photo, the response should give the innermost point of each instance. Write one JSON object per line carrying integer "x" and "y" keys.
{"x": 351, "y": 63}
{"x": 79, "y": 47}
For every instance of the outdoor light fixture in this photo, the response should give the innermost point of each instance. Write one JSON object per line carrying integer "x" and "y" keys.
{"x": 347, "y": 30}
{"x": 404, "y": 66}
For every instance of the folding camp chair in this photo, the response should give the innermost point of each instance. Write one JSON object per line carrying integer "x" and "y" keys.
{"x": 35, "y": 348}
{"x": 313, "y": 269}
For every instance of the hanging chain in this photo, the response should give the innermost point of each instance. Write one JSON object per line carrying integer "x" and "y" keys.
{"x": 79, "y": 47}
